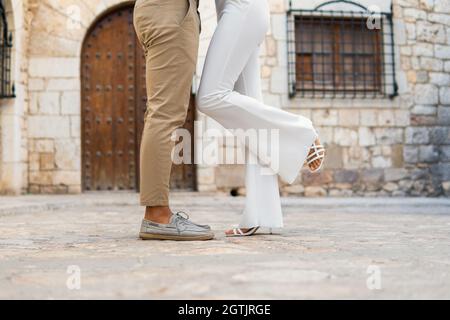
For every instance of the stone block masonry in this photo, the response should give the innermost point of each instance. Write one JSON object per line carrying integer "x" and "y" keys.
{"x": 379, "y": 147}
{"x": 376, "y": 147}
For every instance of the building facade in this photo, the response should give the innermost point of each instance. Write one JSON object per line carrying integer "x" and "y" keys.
{"x": 373, "y": 76}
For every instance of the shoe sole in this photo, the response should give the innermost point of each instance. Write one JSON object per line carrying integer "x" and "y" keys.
{"x": 146, "y": 236}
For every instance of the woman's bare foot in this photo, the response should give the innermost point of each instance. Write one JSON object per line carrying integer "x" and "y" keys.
{"x": 318, "y": 156}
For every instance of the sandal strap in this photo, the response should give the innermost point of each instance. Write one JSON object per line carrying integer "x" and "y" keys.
{"x": 240, "y": 232}
{"x": 317, "y": 152}
{"x": 315, "y": 159}
{"x": 320, "y": 155}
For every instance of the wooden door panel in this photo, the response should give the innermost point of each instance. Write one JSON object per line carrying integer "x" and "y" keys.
{"x": 184, "y": 176}
{"x": 124, "y": 126}
{"x": 141, "y": 100}
{"x": 108, "y": 95}
{"x": 114, "y": 105}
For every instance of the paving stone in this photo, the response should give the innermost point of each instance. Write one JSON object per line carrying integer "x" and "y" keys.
{"x": 326, "y": 251}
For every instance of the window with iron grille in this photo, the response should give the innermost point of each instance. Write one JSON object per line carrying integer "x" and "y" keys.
{"x": 341, "y": 53}
{"x": 6, "y": 83}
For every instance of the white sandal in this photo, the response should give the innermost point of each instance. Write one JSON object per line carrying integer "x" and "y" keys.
{"x": 240, "y": 233}
{"x": 318, "y": 154}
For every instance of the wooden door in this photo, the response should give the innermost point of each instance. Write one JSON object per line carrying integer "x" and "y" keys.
{"x": 113, "y": 107}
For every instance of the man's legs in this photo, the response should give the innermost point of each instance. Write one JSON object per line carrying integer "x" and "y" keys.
{"x": 169, "y": 35}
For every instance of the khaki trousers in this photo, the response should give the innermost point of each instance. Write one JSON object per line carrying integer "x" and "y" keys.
{"x": 169, "y": 33}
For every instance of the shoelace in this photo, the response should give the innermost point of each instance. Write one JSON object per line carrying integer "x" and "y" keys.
{"x": 185, "y": 217}
{"x": 182, "y": 222}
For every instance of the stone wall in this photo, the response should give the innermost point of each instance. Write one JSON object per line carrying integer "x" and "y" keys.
{"x": 380, "y": 147}
{"x": 58, "y": 31}
{"x": 13, "y": 140}
{"x": 375, "y": 147}
{"x": 425, "y": 58}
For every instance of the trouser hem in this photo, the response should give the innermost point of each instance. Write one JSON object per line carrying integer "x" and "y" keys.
{"x": 154, "y": 203}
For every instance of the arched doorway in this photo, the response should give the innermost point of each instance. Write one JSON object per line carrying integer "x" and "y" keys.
{"x": 113, "y": 107}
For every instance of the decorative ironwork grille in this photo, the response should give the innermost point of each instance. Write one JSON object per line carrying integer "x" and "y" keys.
{"x": 6, "y": 83}
{"x": 341, "y": 54}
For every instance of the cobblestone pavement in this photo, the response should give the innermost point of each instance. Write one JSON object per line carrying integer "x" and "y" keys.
{"x": 331, "y": 248}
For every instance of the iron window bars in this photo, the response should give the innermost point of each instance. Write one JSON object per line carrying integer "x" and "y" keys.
{"x": 340, "y": 54}
{"x": 6, "y": 84}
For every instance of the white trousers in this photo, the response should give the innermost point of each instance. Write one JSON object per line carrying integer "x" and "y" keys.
{"x": 230, "y": 93}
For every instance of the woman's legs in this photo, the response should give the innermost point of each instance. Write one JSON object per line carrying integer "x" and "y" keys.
{"x": 241, "y": 29}
{"x": 263, "y": 205}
